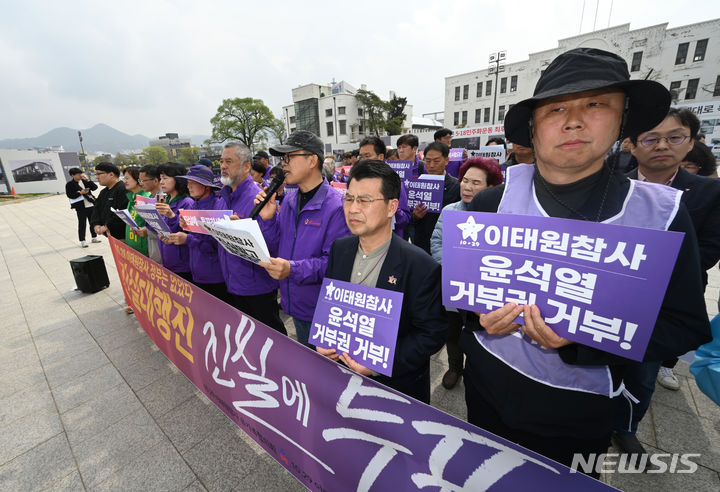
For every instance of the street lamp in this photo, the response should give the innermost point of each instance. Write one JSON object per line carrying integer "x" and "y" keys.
{"x": 497, "y": 65}
{"x": 82, "y": 150}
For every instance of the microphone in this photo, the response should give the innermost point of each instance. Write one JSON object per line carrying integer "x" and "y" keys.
{"x": 272, "y": 189}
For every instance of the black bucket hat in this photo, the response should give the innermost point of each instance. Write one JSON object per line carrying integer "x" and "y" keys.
{"x": 587, "y": 69}
{"x": 300, "y": 140}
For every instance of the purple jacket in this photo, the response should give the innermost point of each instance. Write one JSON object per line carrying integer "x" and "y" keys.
{"x": 242, "y": 277}
{"x": 305, "y": 239}
{"x": 204, "y": 261}
{"x": 176, "y": 258}
{"x": 403, "y": 214}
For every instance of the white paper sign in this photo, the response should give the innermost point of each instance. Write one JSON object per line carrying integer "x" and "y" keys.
{"x": 241, "y": 238}
{"x": 126, "y": 217}
{"x": 153, "y": 218}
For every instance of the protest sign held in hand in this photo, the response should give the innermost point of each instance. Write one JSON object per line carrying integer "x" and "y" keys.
{"x": 153, "y": 219}
{"x": 144, "y": 200}
{"x": 405, "y": 169}
{"x": 241, "y": 238}
{"x": 496, "y": 152}
{"x": 126, "y": 217}
{"x": 598, "y": 284}
{"x": 195, "y": 218}
{"x": 358, "y": 320}
{"x": 426, "y": 189}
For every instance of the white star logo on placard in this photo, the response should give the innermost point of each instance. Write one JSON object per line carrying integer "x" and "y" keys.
{"x": 470, "y": 229}
{"x": 329, "y": 290}
{"x": 407, "y": 183}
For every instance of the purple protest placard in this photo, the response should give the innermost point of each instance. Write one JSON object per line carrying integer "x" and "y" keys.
{"x": 405, "y": 169}
{"x": 153, "y": 219}
{"x": 358, "y": 320}
{"x": 426, "y": 189}
{"x": 194, "y": 218}
{"x": 596, "y": 284}
{"x": 457, "y": 156}
{"x": 330, "y": 427}
{"x": 144, "y": 200}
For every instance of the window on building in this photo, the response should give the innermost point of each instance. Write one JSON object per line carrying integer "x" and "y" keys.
{"x": 341, "y": 109}
{"x": 342, "y": 127}
{"x": 503, "y": 85}
{"x": 292, "y": 120}
{"x": 457, "y": 93}
{"x": 478, "y": 115}
{"x": 675, "y": 89}
{"x": 636, "y": 61}
{"x": 328, "y": 112}
{"x": 681, "y": 53}
{"x": 691, "y": 90}
{"x": 479, "y": 89}
{"x": 501, "y": 113}
{"x": 464, "y": 117}
{"x": 513, "y": 83}
{"x": 486, "y": 115}
{"x": 330, "y": 131}
{"x": 360, "y": 111}
{"x": 292, "y": 129}
{"x": 700, "y": 48}
{"x": 716, "y": 92}
{"x": 361, "y": 129}
{"x": 466, "y": 91}
{"x": 488, "y": 87}
{"x": 456, "y": 118}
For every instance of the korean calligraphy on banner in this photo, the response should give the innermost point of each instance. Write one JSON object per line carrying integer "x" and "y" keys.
{"x": 405, "y": 169}
{"x": 195, "y": 218}
{"x": 358, "y": 320}
{"x": 596, "y": 284}
{"x": 297, "y": 404}
{"x": 427, "y": 189}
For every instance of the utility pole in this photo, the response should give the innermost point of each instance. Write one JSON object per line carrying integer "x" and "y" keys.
{"x": 82, "y": 150}
{"x": 497, "y": 65}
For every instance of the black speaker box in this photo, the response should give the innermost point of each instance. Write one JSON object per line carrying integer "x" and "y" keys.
{"x": 90, "y": 273}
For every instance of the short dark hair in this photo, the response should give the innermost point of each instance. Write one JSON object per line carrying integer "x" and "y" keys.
{"x": 487, "y": 164}
{"x": 275, "y": 171}
{"x": 373, "y": 168}
{"x": 108, "y": 167}
{"x": 172, "y": 169}
{"x": 497, "y": 141}
{"x": 74, "y": 171}
{"x": 347, "y": 155}
{"x": 408, "y": 139}
{"x": 355, "y": 153}
{"x": 438, "y": 146}
{"x": 258, "y": 167}
{"x": 150, "y": 170}
{"x": 389, "y": 154}
{"x": 701, "y": 155}
{"x": 684, "y": 116}
{"x": 133, "y": 171}
{"x": 442, "y": 132}
{"x": 377, "y": 144}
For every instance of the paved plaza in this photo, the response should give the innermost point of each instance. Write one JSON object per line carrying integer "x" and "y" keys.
{"x": 87, "y": 402}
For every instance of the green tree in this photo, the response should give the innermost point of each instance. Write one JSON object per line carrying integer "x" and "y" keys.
{"x": 155, "y": 155}
{"x": 277, "y": 130}
{"x": 98, "y": 159}
{"x": 374, "y": 110}
{"x": 189, "y": 155}
{"x": 123, "y": 160}
{"x": 242, "y": 119}
{"x": 395, "y": 115}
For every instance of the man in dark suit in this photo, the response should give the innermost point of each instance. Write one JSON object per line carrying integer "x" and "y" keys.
{"x": 376, "y": 257}
{"x": 437, "y": 157}
{"x": 659, "y": 153}
{"x": 79, "y": 190}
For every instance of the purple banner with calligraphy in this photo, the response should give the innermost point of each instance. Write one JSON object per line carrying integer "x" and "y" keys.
{"x": 426, "y": 189}
{"x": 358, "y": 320}
{"x": 457, "y": 157}
{"x": 596, "y": 284}
{"x": 405, "y": 169}
{"x": 331, "y": 428}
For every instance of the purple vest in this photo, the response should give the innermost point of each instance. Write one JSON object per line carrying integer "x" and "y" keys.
{"x": 648, "y": 205}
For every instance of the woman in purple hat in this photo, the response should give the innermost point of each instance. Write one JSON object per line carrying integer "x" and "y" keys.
{"x": 204, "y": 264}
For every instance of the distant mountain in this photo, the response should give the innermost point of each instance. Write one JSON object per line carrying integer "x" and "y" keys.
{"x": 99, "y": 138}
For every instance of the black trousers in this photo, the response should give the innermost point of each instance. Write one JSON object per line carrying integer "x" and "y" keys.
{"x": 558, "y": 448}
{"x": 454, "y": 352}
{"x": 218, "y": 290}
{"x": 83, "y": 216}
{"x": 262, "y": 307}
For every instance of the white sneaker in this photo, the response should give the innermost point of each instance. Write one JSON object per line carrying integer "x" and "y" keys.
{"x": 83, "y": 244}
{"x": 667, "y": 379}
{"x": 95, "y": 240}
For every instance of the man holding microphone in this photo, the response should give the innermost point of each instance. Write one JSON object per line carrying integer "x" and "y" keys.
{"x": 310, "y": 219}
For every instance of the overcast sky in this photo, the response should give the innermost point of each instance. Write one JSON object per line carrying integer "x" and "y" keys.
{"x": 152, "y": 67}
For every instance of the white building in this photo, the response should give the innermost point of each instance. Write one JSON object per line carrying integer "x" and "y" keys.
{"x": 172, "y": 143}
{"x": 332, "y": 113}
{"x": 685, "y": 59}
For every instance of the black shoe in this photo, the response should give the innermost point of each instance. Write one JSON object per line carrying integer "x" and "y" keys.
{"x": 628, "y": 443}
{"x": 450, "y": 379}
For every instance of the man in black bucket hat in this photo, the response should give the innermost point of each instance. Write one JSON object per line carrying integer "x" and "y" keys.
{"x": 537, "y": 388}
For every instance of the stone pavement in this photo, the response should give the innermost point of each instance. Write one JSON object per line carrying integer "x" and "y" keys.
{"x": 88, "y": 403}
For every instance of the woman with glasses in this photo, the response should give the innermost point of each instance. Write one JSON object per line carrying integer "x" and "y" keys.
{"x": 475, "y": 175}
{"x": 131, "y": 177}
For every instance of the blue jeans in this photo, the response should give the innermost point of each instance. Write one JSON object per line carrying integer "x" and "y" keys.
{"x": 640, "y": 382}
{"x": 302, "y": 329}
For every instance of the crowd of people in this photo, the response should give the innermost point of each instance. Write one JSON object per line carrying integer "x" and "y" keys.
{"x": 524, "y": 383}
